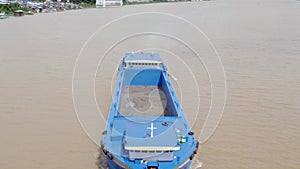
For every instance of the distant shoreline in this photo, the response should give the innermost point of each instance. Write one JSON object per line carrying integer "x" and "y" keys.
{"x": 82, "y": 6}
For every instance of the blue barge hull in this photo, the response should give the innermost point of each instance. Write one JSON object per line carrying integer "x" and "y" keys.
{"x": 146, "y": 127}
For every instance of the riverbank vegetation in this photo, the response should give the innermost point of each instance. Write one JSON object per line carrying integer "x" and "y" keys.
{"x": 12, "y": 7}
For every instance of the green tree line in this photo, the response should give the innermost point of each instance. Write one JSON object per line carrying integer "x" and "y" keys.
{"x": 11, "y": 8}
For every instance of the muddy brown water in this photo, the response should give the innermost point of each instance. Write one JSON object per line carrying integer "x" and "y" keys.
{"x": 258, "y": 42}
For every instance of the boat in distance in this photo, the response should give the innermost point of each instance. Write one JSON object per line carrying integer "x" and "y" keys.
{"x": 3, "y": 15}
{"x": 146, "y": 127}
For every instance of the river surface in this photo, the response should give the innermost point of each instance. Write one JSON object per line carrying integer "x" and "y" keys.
{"x": 258, "y": 42}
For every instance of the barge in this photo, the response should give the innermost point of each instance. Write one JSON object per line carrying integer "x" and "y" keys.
{"x": 146, "y": 127}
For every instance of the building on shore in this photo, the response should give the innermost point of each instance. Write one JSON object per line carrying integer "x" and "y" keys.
{"x": 104, "y": 3}
{"x": 4, "y": 2}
